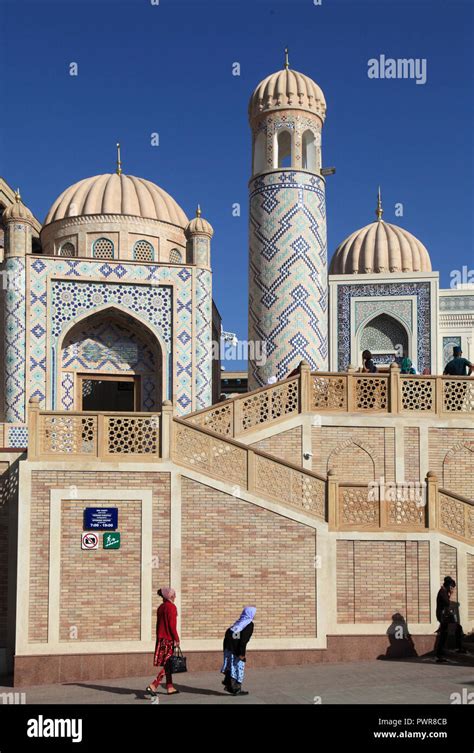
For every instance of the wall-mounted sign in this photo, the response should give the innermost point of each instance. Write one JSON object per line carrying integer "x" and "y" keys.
{"x": 101, "y": 518}
{"x": 111, "y": 540}
{"x": 89, "y": 541}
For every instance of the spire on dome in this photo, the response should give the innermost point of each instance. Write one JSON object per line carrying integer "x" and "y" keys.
{"x": 379, "y": 210}
{"x": 198, "y": 210}
{"x": 287, "y": 62}
{"x": 17, "y": 196}
{"x": 119, "y": 163}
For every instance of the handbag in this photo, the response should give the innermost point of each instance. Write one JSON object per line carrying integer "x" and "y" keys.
{"x": 177, "y": 662}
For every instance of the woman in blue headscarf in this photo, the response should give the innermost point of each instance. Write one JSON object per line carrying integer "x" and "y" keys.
{"x": 235, "y": 642}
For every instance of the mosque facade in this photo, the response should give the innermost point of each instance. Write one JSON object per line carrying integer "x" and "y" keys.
{"x": 109, "y": 406}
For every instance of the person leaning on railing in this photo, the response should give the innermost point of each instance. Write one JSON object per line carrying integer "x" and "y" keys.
{"x": 458, "y": 366}
{"x": 369, "y": 366}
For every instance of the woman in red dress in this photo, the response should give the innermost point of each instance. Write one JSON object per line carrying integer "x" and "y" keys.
{"x": 167, "y": 639}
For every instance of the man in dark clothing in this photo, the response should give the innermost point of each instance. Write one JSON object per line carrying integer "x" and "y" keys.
{"x": 445, "y": 616}
{"x": 458, "y": 366}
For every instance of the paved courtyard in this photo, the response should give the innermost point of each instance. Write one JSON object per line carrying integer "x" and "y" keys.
{"x": 417, "y": 681}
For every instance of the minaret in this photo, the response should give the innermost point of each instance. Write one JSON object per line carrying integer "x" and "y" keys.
{"x": 288, "y": 285}
{"x": 19, "y": 224}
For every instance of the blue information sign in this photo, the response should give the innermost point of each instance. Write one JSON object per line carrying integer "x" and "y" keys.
{"x": 100, "y": 518}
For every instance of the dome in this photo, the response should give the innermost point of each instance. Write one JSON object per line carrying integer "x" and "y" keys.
{"x": 117, "y": 194}
{"x": 380, "y": 247}
{"x": 199, "y": 226}
{"x": 17, "y": 210}
{"x": 287, "y": 89}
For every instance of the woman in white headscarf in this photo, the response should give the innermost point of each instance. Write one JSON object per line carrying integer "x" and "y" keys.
{"x": 235, "y": 643}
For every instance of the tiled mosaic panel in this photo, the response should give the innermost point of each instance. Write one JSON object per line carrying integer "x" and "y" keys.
{"x": 366, "y": 310}
{"x": 288, "y": 295}
{"x": 108, "y": 347}
{"x": 448, "y": 344}
{"x": 203, "y": 339}
{"x": 15, "y": 341}
{"x": 419, "y": 289}
{"x": 17, "y": 436}
{"x": 384, "y": 333}
{"x": 113, "y": 273}
{"x": 456, "y": 303}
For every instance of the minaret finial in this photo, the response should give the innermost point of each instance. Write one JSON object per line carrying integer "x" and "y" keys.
{"x": 287, "y": 62}
{"x": 198, "y": 211}
{"x": 119, "y": 164}
{"x": 17, "y": 196}
{"x": 379, "y": 210}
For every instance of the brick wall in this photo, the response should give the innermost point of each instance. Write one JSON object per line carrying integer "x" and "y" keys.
{"x": 42, "y": 483}
{"x": 287, "y": 445}
{"x": 235, "y": 553}
{"x": 451, "y": 457}
{"x": 376, "y": 579}
{"x": 448, "y": 562}
{"x": 412, "y": 453}
{"x": 100, "y": 594}
{"x": 336, "y": 447}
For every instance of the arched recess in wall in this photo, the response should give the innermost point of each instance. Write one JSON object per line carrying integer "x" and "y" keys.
{"x": 111, "y": 347}
{"x": 309, "y": 152}
{"x": 385, "y": 336}
{"x": 457, "y": 469}
{"x": 352, "y": 461}
{"x": 259, "y": 156}
{"x": 284, "y": 149}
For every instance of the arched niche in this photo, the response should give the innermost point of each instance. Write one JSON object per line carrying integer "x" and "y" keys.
{"x": 111, "y": 361}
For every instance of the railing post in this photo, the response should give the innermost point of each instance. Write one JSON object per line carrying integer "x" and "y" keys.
{"x": 351, "y": 403}
{"x": 102, "y": 448}
{"x": 395, "y": 401}
{"x": 33, "y": 428}
{"x": 166, "y": 429}
{"x": 333, "y": 501}
{"x": 237, "y": 424}
{"x": 251, "y": 470}
{"x": 305, "y": 387}
{"x": 432, "y": 500}
{"x": 439, "y": 382}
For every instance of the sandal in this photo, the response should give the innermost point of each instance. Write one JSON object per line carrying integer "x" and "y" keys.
{"x": 150, "y": 690}
{"x": 173, "y": 692}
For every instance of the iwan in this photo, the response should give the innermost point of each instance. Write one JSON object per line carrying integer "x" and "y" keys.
{"x": 42, "y": 727}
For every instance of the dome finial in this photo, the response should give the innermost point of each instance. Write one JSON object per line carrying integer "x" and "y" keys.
{"x": 198, "y": 211}
{"x": 119, "y": 164}
{"x": 287, "y": 62}
{"x": 17, "y": 196}
{"x": 379, "y": 210}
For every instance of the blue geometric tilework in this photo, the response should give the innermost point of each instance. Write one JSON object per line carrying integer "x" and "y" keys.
{"x": 119, "y": 284}
{"x": 203, "y": 339}
{"x": 17, "y": 436}
{"x": 15, "y": 343}
{"x": 288, "y": 295}
{"x": 423, "y": 306}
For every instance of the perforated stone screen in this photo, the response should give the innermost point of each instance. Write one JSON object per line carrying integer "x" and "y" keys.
{"x": 143, "y": 251}
{"x": 103, "y": 249}
{"x": 175, "y": 256}
{"x": 67, "y": 249}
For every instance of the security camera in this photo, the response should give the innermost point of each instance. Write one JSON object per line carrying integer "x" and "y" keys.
{"x": 307, "y": 455}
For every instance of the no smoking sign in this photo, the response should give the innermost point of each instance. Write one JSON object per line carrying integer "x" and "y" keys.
{"x": 90, "y": 541}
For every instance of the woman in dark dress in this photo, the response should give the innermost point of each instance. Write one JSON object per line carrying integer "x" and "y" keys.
{"x": 235, "y": 643}
{"x": 369, "y": 366}
{"x": 167, "y": 639}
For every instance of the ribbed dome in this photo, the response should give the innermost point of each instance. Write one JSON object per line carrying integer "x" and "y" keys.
{"x": 17, "y": 211}
{"x": 117, "y": 194}
{"x": 199, "y": 226}
{"x": 287, "y": 89}
{"x": 380, "y": 247}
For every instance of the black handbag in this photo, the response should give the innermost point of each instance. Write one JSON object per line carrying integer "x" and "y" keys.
{"x": 177, "y": 662}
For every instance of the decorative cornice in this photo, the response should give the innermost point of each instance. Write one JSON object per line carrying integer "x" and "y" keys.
{"x": 86, "y": 219}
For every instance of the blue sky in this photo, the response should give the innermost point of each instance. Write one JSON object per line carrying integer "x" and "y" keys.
{"x": 167, "y": 68}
